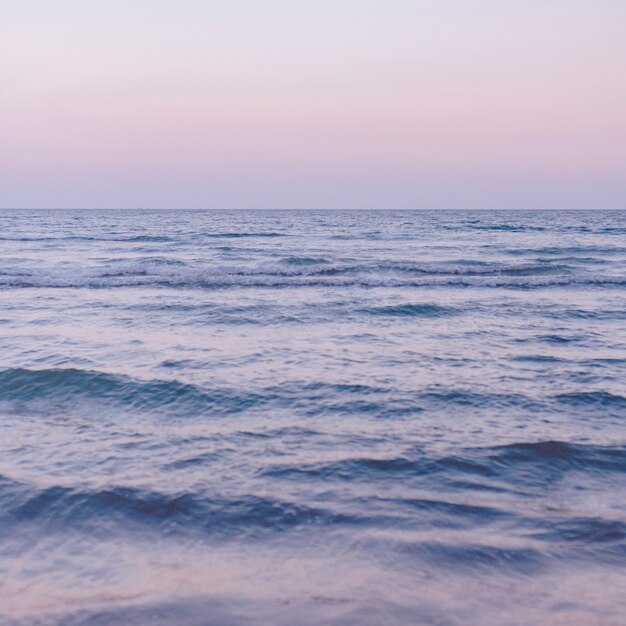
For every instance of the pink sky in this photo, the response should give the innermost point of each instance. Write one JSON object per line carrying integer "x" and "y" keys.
{"x": 313, "y": 104}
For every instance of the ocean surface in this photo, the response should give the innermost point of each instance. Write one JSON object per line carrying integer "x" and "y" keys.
{"x": 303, "y": 418}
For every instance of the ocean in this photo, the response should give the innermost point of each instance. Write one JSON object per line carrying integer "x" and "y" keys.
{"x": 312, "y": 417}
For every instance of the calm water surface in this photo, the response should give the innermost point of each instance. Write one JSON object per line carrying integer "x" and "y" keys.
{"x": 312, "y": 418}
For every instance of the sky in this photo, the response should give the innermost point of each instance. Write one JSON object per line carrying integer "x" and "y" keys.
{"x": 313, "y": 103}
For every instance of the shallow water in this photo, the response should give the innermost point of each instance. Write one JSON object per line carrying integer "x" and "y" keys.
{"x": 312, "y": 418}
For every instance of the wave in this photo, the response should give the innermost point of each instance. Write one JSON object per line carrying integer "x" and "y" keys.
{"x": 136, "y": 238}
{"x": 586, "y": 314}
{"x": 508, "y": 228}
{"x": 584, "y": 530}
{"x": 381, "y": 274}
{"x": 62, "y": 388}
{"x": 520, "y": 468}
{"x": 409, "y": 310}
{"x": 592, "y": 398}
{"x": 476, "y": 557}
{"x": 553, "y": 339}
{"x": 271, "y": 314}
{"x": 568, "y": 250}
{"x": 65, "y": 507}
{"x": 459, "y": 267}
{"x": 571, "y": 455}
{"x": 238, "y": 235}
{"x": 81, "y": 390}
{"x": 92, "y": 393}
{"x": 77, "y": 390}
{"x": 61, "y": 238}
{"x": 304, "y": 260}
{"x": 517, "y": 464}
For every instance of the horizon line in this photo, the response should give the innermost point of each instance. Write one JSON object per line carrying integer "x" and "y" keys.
{"x": 182, "y": 208}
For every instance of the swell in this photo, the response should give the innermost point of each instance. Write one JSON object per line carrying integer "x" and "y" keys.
{"x": 134, "y": 238}
{"x": 238, "y": 235}
{"x": 381, "y": 274}
{"x": 62, "y": 238}
{"x": 266, "y": 314}
{"x": 568, "y": 250}
{"x": 514, "y": 466}
{"x": 67, "y": 389}
{"x": 409, "y": 310}
{"x": 585, "y": 399}
{"x": 109, "y": 509}
{"x": 61, "y": 388}
{"x": 62, "y": 507}
{"x": 522, "y": 469}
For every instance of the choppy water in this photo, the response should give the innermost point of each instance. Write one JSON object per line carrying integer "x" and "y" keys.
{"x": 312, "y": 418}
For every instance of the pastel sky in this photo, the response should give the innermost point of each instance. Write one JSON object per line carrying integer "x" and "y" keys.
{"x": 313, "y": 103}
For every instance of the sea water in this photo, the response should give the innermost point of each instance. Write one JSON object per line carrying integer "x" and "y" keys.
{"x": 344, "y": 417}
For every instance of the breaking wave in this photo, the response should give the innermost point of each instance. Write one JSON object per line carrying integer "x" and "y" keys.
{"x": 394, "y": 274}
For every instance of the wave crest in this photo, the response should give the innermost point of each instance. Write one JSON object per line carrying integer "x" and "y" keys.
{"x": 156, "y": 272}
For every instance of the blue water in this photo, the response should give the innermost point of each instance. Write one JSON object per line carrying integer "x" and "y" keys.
{"x": 312, "y": 418}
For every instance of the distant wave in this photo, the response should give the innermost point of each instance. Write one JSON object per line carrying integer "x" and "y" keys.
{"x": 62, "y": 238}
{"x": 236, "y": 235}
{"x": 382, "y": 274}
{"x": 135, "y": 238}
{"x": 567, "y": 250}
{"x": 409, "y": 310}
